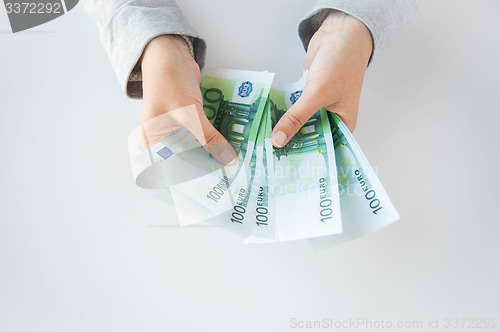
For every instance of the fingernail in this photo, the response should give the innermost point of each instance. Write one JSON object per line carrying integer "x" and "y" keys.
{"x": 279, "y": 139}
{"x": 228, "y": 156}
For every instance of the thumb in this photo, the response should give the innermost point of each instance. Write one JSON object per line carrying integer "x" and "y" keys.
{"x": 194, "y": 120}
{"x": 293, "y": 119}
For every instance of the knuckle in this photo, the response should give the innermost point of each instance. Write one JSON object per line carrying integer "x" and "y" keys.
{"x": 211, "y": 136}
{"x": 295, "y": 121}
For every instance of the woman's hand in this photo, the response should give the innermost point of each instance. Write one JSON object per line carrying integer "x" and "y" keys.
{"x": 172, "y": 97}
{"x": 337, "y": 57}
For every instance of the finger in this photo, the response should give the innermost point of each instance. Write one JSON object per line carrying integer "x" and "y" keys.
{"x": 154, "y": 129}
{"x": 216, "y": 144}
{"x": 194, "y": 120}
{"x": 294, "y": 119}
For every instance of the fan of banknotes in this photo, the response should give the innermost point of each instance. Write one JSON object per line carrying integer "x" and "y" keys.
{"x": 319, "y": 184}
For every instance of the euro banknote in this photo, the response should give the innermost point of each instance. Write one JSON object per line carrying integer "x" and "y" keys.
{"x": 366, "y": 206}
{"x": 307, "y": 202}
{"x": 233, "y": 101}
{"x": 263, "y": 221}
{"x": 319, "y": 184}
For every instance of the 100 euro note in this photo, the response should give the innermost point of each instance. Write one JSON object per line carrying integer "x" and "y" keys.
{"x": 233, "y": 101}
{"x": 304, "y": 185}
{"x": 263, "y": 222}
{"x": 366, "y": 207}
{"x": 244, "y": 210}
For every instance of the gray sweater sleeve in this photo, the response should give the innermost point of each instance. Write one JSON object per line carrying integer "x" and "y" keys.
{"x": 382, "y": 17}
{"x": 125, "y": 28}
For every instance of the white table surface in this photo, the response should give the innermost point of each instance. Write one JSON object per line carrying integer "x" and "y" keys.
{"x": 83, "y": 249}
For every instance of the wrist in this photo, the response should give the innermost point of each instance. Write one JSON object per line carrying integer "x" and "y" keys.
{"x": 166, "y": 50}
{"x": 338, "y": 22}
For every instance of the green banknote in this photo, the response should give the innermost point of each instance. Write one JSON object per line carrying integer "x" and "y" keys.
{"x": 244, "y": 211}
{"x": 268, "y": 194}
{"x": 365, "y": 205}
{"x": 304, "y": 184}
{"x": 233, "y": 101}
{"x": 262, "y": 203}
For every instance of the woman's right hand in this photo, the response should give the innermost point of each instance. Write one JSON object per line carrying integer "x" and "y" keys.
{"x": 172, "y": 97}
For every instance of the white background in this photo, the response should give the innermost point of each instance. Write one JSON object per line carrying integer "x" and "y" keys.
{"x": 83, "y": 249}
